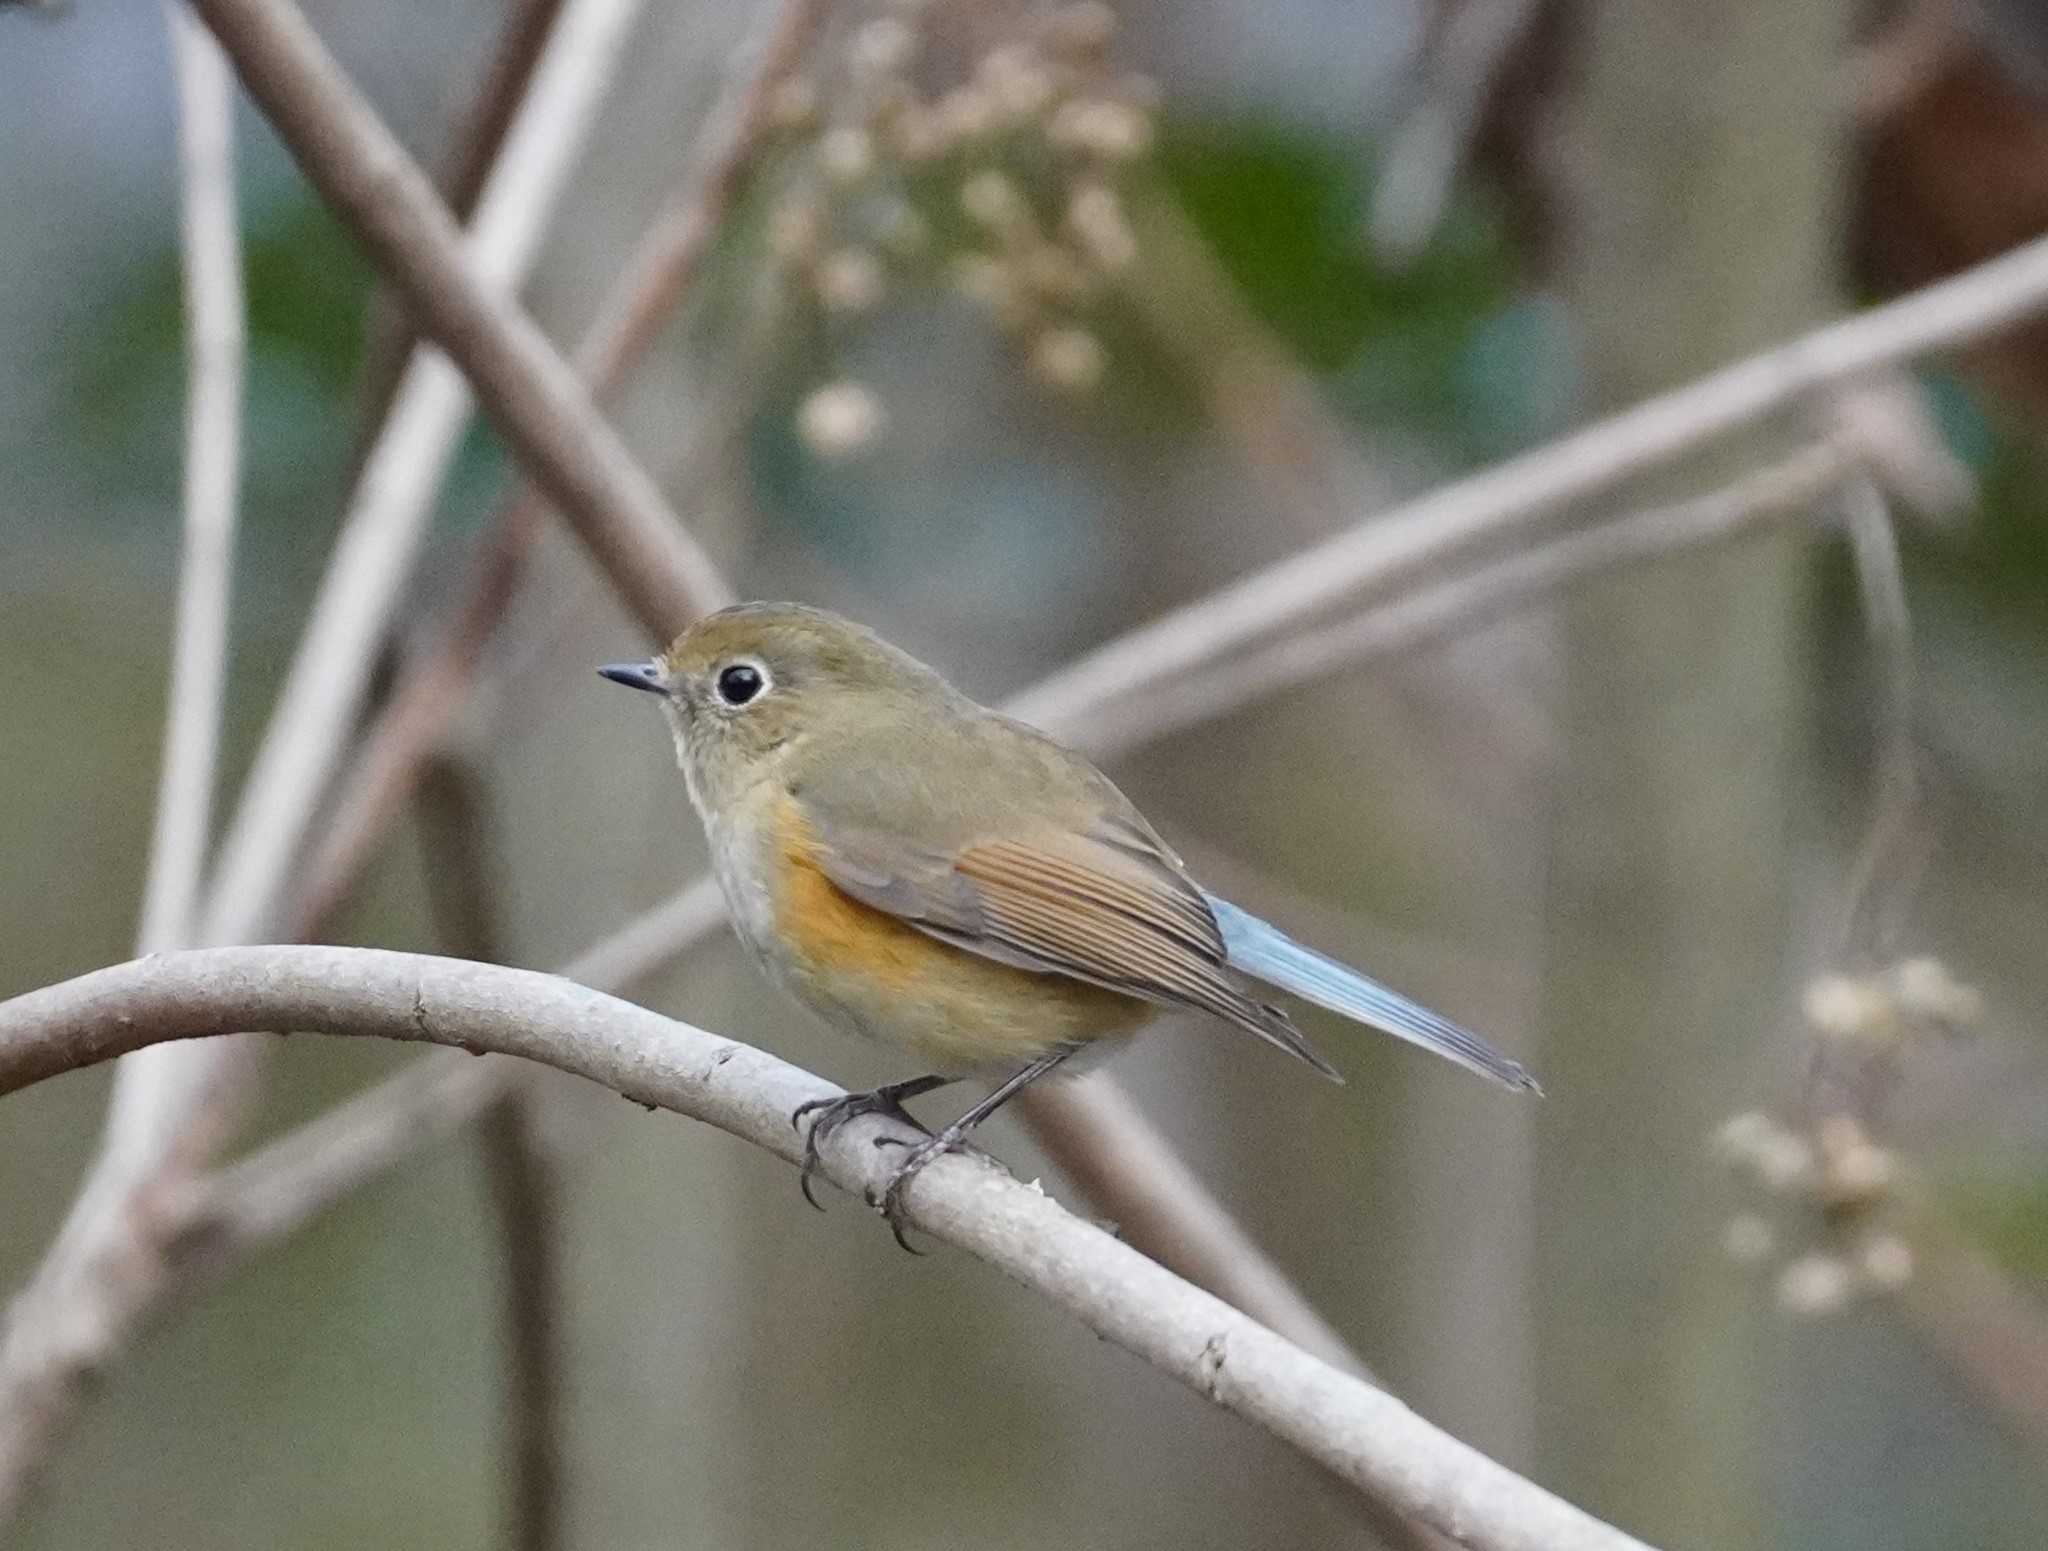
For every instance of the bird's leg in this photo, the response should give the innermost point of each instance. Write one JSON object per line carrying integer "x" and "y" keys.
{"x": 834, "y": 1113}
{"x": 955, "y": 1134}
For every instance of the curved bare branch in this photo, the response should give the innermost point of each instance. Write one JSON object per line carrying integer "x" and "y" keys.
{"x": 1361, "y": 1435}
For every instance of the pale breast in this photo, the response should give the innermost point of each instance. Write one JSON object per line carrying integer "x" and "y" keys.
{"x": 743, "y": 861}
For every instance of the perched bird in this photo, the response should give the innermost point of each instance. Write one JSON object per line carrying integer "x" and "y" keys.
{"x": 925, "y": 872}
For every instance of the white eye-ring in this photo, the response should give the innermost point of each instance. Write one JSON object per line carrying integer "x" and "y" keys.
{"x": 742, "y": 681}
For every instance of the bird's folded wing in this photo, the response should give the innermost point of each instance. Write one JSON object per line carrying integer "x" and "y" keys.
{"x": 1109, "y": 906}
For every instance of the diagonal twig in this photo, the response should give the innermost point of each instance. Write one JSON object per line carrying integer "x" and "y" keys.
{"x": 527, "y": 389}
{"x": 1467, "y": 602}
{"x": 381, "y": 534}
{"x": 658, "y": 276}
{"x": 388, "y": 337}
{"x": 1512, "y": 497}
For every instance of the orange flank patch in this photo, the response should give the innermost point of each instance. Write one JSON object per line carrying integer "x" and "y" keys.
{"x": 835, "y": 932}
{"x": 957, "y": 1010}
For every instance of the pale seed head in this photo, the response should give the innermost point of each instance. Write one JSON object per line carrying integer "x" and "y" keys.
{"x": 846, "y": 154}
{"x": 1814, "y": 1284}
{"x": 1748, "y": 1238}
{"x": 1071, "y": 359}
{"x": 840, "y": 419}
{"x": 849, "y": 280}
{"x": 1886, "y": 1261}
{"x": 1096, "y": 217}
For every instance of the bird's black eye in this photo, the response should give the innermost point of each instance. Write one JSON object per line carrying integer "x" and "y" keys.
{"x": 740, "y": 682}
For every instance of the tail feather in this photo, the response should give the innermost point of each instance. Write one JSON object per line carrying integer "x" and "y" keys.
{"x": 1266, "y": 953}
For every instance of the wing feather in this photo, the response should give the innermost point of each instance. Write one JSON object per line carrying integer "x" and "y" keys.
{"x": 1097, "y": 907}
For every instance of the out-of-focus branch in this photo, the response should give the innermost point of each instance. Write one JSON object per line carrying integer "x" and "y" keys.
{"x": 1429, "y": 147}
{"x": 381, "y": 534}
{"x": 658, "y": 276}
{"x": 662, "y": 268}
{"x": 1896, "y": 846}
{"x": 452, "y": 812}
{"x": 1165, "y": 1209}
{"x": 1260, "y": 401}
{"x": 1360, "y": 1434}
{"x": 522, "y": 1189}
{"x": 215, "y": 349}
{"x": 167, "y": 1108}
{"x": 388, "y": 336}
{"x": 1776, "y": 493}
{"x": 1512, "y": 497}
{"x": 622, "y": 959}
{"x": 528, "y": 390}
{"x": 173, "y": 1109}
{"x": 1969, "y": 1313}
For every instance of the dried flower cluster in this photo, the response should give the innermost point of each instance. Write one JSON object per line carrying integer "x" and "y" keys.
{"x": 1003, "y": 186}
{"x": 1822, "y": 1187}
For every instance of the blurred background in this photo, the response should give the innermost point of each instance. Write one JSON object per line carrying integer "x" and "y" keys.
{"x": 1308, "y": 258}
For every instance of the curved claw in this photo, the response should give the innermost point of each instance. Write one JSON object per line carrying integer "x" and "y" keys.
{"x": 803, "y": 1176}
{"x": 911, "y": 1167}
{"x": 831, "y": 1115}
{"x": 823, "y": 1126}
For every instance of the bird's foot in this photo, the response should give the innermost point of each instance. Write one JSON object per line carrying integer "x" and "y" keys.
{"x": 833, "y": 1113}
{"x": 892, "y": 1207}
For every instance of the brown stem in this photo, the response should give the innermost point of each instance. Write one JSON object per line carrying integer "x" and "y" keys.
{"x": 527, "y": 389}
{"x": 388, "y": 334}
{"x": 453, "y": 825}
{"x": 658, "y": 278}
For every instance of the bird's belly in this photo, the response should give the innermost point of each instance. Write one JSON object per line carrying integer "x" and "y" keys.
{"x": 956, "y": 1012}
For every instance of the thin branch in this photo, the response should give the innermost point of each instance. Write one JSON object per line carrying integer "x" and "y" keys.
{"x": 1512, "y": 497}
{"x": 1429, "y": 148}
{"x": 1162, "y": 1207}
{"x": 381, "y": 534}
{"x": 1961, "y": 1303}
{"x": 215, "y": 349}
{"x": 1361, "y": 1435}
{"x": 264, "y": 1199}
{"x": 658, "y": 276}
{"x": 453, "y": 825}
{"x": 1899, "y": 838}
{"x": 1969, "y": 1313}
{"x": 1463, "y": 603}
{"x": 388, "y": 337}
{"x": 665, "y": 264}
{"x": 527, "y": 389}
{"x": 522, "y": 1189}
{"x": 173, "y": 1110}
{"x": 167, "y": 1107}
{"x": 1964, "y": 1306}
{"x": 624, "y": 958}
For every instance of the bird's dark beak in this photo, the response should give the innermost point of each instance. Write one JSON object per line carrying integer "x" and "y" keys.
{"x": 637, "y": 675}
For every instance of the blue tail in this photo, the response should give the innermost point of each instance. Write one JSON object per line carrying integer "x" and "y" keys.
{"x": 1266, "y": 953}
